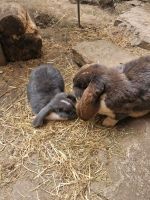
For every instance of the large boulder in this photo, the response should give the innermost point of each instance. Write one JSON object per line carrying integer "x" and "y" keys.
{"x": 129, "y": 173}
{"x": 19, "y": 35}
{"x": 100, "y": 51}
{"x": 137, "y": 21}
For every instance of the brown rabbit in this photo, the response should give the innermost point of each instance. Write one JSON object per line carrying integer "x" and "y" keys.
{"x": 114, "y": 92}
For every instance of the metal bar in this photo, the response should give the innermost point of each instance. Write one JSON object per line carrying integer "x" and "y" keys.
{"x": 78, "y": 8}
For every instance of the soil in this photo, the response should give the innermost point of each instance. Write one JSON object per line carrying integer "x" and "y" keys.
{"x": 58, "y": 161}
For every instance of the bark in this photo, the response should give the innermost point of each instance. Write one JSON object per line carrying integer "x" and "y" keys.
{"x": 19, "y": 35}
{"x": 2, "y": 57}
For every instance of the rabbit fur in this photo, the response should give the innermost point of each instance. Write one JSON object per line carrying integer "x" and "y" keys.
{"x": 114, "y": 92}
{"x": 45, "y": 93}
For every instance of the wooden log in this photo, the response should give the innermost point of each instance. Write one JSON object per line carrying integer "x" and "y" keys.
{"x": 19, "y": 35}
{"x": 2, "y": 57}
{"x": 12, "y": 19}
{"x": 25, "y": 47}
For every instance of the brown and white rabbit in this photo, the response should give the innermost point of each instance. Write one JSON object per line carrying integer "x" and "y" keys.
{"x": 45, "y": 92}
{"x": 114, "y": 92}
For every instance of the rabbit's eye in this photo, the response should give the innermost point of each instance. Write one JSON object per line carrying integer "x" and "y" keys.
{"x": 60, "y": 110}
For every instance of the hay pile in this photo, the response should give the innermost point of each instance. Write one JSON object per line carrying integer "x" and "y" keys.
{"x": 61, "y": 158}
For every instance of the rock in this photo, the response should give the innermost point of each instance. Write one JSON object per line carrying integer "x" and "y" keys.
{"x": 134, "y": 3}
{"x": 2, "y": 57}
{"x": 130, "y": 172}
{"x": 100, "y": 51}
{"x": 96, "y": 2}
{"x": 20, "y": 39}
{"x": 137, "y": 21}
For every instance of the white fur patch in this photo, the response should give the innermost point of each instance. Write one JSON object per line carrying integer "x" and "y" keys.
{"x": 109, "y": 122}
{"x": 53, "y": 116}
{"x": 84, "y": 73}
{"x": 66, "y": 102}
{"x": 104, "y": 110}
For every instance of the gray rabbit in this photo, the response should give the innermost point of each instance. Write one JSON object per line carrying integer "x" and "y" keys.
{"x": 114, "y": 92}
{"x": 45, "y": 93}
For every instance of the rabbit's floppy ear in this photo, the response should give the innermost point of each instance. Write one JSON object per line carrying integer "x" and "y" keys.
{"x": 39, "y": 119}
{"x": 81, "y": 81}
{"x": 88, "y": 105}
{"x": 71, "y": 97}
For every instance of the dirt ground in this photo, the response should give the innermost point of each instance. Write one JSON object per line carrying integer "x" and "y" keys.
{"x": 61, "y": 159}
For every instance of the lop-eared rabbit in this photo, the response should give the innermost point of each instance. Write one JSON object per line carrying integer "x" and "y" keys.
{"x": 45, "y": 92}
{"x": 114, "y": 92}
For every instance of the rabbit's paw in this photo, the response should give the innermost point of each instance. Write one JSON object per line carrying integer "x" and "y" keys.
{"x": 109, "y": 122}
{"x": 37, "y": 122}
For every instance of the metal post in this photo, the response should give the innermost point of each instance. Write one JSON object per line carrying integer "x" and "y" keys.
{"x": 78, "y": 8}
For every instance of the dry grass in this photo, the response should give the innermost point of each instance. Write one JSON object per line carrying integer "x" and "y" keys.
{"x": 61, "y": 158}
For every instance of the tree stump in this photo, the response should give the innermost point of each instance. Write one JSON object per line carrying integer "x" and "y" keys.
{"x": 19, "y": 35}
